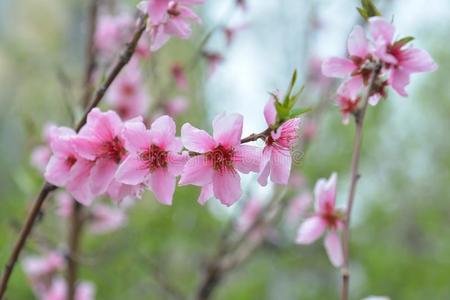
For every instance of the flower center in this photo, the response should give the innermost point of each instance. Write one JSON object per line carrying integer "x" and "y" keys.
{"x": 71, "y": 160}
{"x": 128, "y": 89}
{"x": 114, "y": 150}
{"x": 221, "y": 158}
{"x": 173, "y": 10}
{"x": 154, "y": 157}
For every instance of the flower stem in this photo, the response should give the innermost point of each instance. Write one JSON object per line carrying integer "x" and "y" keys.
{"x": 359, "y": 123}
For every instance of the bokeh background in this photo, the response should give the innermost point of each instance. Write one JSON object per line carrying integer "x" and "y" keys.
{"x": 400, "y": 235}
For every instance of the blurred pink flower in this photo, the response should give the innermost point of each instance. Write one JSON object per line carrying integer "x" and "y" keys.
{"x": 176, "y": 106}
{"x": 326, "y": 217}
{"x": 127, "y": 95}
{"x": 58, "y": 291}
{"x": 402, "y": 61}
{"x": 276, "y": 157}
{"x": 64, "y": 202}
{"x": 104, "y": 219}
{"x": 40, "y": 269}
{"x": 219, "y": 157}
{"x": 179, "y": 75}
{"x": 297, "y": 207}
{"x": 348, "y": 102}
{"x": 154, "y": 158}
{"x": 66, "y": 168}
{"x": 169, "y": 18}
{"x": 250, "y": 212}
{"x": 213, "y": 60}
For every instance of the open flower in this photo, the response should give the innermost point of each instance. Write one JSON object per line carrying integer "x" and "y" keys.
{"x": 219, "y": 158}
{"x": 101, "y": 141}
{"x": 354, "y": 68}
{"x": 104, "y": 218}
{"x": 400, "y": 59}
{"x": 169, "y": 18}
{"x": 58, "y": 291}
{"x": 276, "y": 157}
{"x": 66, "y": 168}
{"x": 154, "y": 157}
{"x": 40, "y": 269}
{"x": 325, "y": 218}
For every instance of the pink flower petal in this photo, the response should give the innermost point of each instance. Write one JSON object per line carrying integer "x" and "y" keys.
{"x": 156, "y": 10}
{"x": 176, "y": 162}
{"x": 417, "y": 60}
{"x": 325, "y": 194}
{"x": 281, "y": 166}
{"x": 357, "y": 43}
{"x": 351, "y": 88}
{"x": 205, "y": 194}
{"x": 270, "y": 113}
{"x": 163, "y": 131}
{"x": 86, "y": 147}
{"x": 57, "y": 171}
{"x": 227, "y": 187}
{"x": 101, "y": 175}
{"x": 381, "y": 29}
{"x": 79, "y": 184}
{"x": 310, "y": 230}
{"x": 162, "y": 185}
{"x": 334, "y": 248}
{"x": 227, "y": 129}
{"x": 197, "y": 171}
{"x": 265, "y": 165}
{"x": 196, "y": 140}
{"x": 137, "y": 137}
{"x": 132, "y": 171}
{"x": 247, "y": 158}
{"x": 399, "y": 79}
{"x": 337, "y": 67}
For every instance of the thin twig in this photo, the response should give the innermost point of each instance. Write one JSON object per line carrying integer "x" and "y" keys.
{"x": 359, "y": 123}
{"x": 47, "y": 187}
{"x": 76, "y": 219}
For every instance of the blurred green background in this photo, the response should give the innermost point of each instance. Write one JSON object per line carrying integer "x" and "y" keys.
{"x": 400, "y": 236}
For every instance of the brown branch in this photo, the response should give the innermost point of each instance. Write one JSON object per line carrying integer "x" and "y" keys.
{"x": 47, "y": 187}
{"x": 359, "y": 122}
{"x": 76, "y": 219}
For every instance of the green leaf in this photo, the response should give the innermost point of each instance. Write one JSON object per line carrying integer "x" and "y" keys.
{"x": 402, "y": 42}
{"x": 368, "y": 9}
{"x": 299, "y": 111}
{"x": 291, "y": 86}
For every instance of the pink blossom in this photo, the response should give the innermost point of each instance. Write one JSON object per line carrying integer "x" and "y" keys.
{"x": 355, "y": 67}
{"x": 250, "y": 212}
{"x": 348, "y": 101}
{"x": 40, "y": 155}
{"x": 276, "y": 157}
{"x": 179, "y": 75}
{"x": 154, "y": 158}
{"x": 169, "y": 18}
{"x": 213, "y": 60}
{"x": 66, "y": 168}
{"x": 64, "y": 203}
{"x": 40, "y": 268}
{"x": 58, "y": 291}
{"x": 176, "y": 106}
{"x": 326, "y": 217}
{"x": 127, "y": 94}
{"x": 219, "y": 158}
{"x": 104, "y": 219}
{"x": 297, "y": 207}
{"x": 101, "y": 141}
{"x": 399, "y": 59}
{"x": 113, "y": 32}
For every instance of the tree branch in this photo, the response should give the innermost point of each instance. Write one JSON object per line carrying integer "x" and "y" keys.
{"x": 47, "y": 187}
{"x": 359, "y": 122}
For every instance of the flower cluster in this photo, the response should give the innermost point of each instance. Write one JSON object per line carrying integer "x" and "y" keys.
{"x": 325, "y": 218}
{"x": 43, "y": 273}
{"x": 121, "y": 158}
{"x": 169, "y": 18}
{"x": 398, "y": 61}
